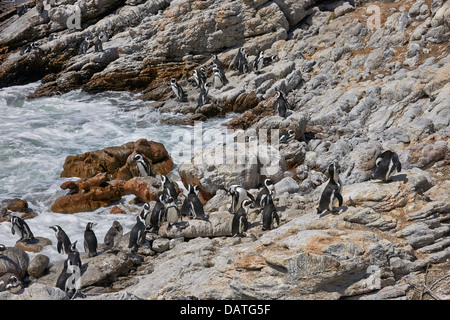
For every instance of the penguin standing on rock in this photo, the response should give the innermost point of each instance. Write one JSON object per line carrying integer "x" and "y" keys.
{"x": 268, "y": 188}
{"x": 143, "y": 166}
{"x": 178, "y": 90}
{"x": 239, "y": 225}
{"x": 20, "y": 227}
{"x": 219, "y": 78}
{"x": 203, "y": 97}
{"x": 238, "y": 195}
{"x": 269, "y": 213}
{"x": 172, "y": 213}
{"x": 63, "y": 245}
{"x": 137, "y": 235}
{"x": 71, "y": 272}
{"x": 332, "y": 192}
{"x": 157, "y": 216}
{"x": 113, "y": 234}
{"x": 90, "y": 240}
{"x": 192, "y": 206}
{"x": 386, "y": 165}
{"x": 281, "y": 104}
{"x": 169, "y": 188}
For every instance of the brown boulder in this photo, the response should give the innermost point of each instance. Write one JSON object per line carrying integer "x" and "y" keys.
{"x": 117, "y": 161}
{"x": 35, "y": 245}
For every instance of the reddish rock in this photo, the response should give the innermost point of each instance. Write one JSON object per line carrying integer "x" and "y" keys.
{"x": 116, "y": 162}
{"x": 16, "y": 205}
{"x": 243, "y": 122}
{"x": 91, "y": 200}
{"x": 116, "y": 210}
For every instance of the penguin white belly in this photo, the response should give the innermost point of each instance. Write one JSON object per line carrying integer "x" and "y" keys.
{"x": 390, "y": 171}
{"x": 172, "y": 215}
{"x": 18, "y": 231}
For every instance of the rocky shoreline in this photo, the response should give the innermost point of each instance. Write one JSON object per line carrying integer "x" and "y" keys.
{"x": 356, "y": 86}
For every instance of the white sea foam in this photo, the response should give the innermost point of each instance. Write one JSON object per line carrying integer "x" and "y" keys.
{"x": 36, "y": 135}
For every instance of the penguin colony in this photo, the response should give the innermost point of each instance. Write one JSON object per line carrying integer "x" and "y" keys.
{"x": 165, "y": 209}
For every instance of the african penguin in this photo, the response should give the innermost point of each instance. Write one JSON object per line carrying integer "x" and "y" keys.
{"x": 269, "y": 187}
{"x": 143, "y": 166}
{"x": 137, "y": 235}
{"x": 258, "y": 63}
{"x": 157, "y": 216}
{"x": 90, "y": 240}
{"x": 28, "y": 48}
{"x": 2, "y": 248}
{"x": 269, "y": 213}
{"x": 21, "y": 227}
{"x": 147, "y": 214}
{"x": 216, "y": 61}
{"x": 9, "y": 281}
{"x": 172, "y": 213}
{"x": 113, "y": 234}
{"x": 239, "y": 225}
{"x": 63, "y": 245}
{"x": 169, "y": 188}
{"x": 84, "y": 46}
{"x": 238, "y": 195}
{"x": 332, "y": 191}
{"x": 192, "y": 206}
{"x": 286, "y": 136}
{"x": 386, "y": 165}
{"x": 71, "y": 271}
{"x": 219, "y": 78}
{"x": 178, "y": 90}
{"x": 238, "y": 59}
{"x": 281, "y": 104}
{"x": 203, "y": 97}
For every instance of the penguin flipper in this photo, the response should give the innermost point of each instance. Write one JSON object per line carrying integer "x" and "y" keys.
{"x": 277, "y": 217}
{"x": 339, "y": 197}
{"x": 59, "y": 246}
{"x": 396, "y": 162}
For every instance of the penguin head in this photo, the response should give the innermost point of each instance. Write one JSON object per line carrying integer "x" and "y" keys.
{"x": 138, "y": 157}
{"x": 146, "y": 206}
{"x": 55, "y": 228}
{"x": 197, "y": 190}
{"x": 268, "y": 183}
{"x": 161, "y": 199}
{"x": 14, "y": 220}
{"x": 89, "y": 226}
{"x": 246, "y": 204}
{"x": 2, "y": 247}
{"x": 73, "y": 247}
{"x": 12, "y": 282}
{"x": 173, "y": 81}
{"x": 163, "y": 179}
{"x": 116, "y": 225}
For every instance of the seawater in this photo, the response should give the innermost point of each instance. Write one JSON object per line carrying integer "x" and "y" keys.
{"x": 36, "y": 136}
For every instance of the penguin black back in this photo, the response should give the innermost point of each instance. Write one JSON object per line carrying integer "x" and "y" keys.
{"x": 269, "y": 213}
{"x": 90, "y": 240}
{"x": 63, "y": 244}
{"x": 332, "y": 191}
{"x": 387, "y": 164}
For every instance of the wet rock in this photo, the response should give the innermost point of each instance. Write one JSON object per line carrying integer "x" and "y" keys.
{"x": 38, "y": 265}
{"x": 116, "y": 161}
{"x": 35, "y": 245}
{"x": 15, "y": 261}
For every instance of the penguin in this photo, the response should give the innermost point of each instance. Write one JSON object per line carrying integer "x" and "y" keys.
{"x": 238, "y": 59}
{"x": 269, "y": 213}
{"x": 199, "y": 77}
{"x": 2, "y": 248}
{"x": 28, "y": 48}
{"x": 157, "y": 216}
{"x": 71, "y": 271}
{"x": 137, "y": 235}
{"x": 103, "y": 36}
{"x": 178, "y": 90}
{"x": 113, "y": 235}
{"x": 143, "y": 166}
{"x": 90, "y": 240}
{"x": 219, "y": 78}
{"x": 21, "y": 227}
{"x": 239, "y": 225}
{"x": 21, "y": 10}
{"x": 332, "y": 191}
{"x": 169, "y": 188}
{"x": 216, "y": 61}
{"x": 98, "y": 41}
{"x": 172, "y": 213}
{"x": 147, "y": 214}
{"x": 386, "y": 165}
{"x": 268, "y": 188}
{"x": 9, "y": 281}
{"x": 84, "y": 46}
{"x": 63, "y": 245}
{"x": 203, "y": 97}
{"x": 192, "y": 206}
{"x": 281, "y": 104}
{"x": 286, "y": 136}
{"x": 258, "y": 63}
{"x": 239, "y": 194}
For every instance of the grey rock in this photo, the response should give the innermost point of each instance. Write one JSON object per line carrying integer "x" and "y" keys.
{"x": 15, "y": 261}
{"x": 287, "y": 184}
{"x": 38, "y": 265}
